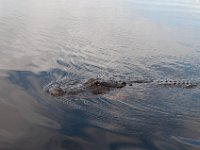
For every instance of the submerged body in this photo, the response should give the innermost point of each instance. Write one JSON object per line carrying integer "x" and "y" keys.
{"x": 99, "y": 86}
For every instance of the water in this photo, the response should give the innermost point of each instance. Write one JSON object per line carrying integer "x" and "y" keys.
{"x": 43, "y": 41}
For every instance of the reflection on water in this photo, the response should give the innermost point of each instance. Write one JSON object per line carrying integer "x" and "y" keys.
{"x": 140, "y": 116}
{"x": 72, "y": 41}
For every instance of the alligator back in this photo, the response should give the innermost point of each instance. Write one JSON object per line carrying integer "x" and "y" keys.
{"x": 168, "y": 83}
{"x": 177, "y": 83}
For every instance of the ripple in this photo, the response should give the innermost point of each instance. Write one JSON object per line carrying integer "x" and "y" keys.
{"x": 63, "y": 42}
{"x": 188, "y": 141}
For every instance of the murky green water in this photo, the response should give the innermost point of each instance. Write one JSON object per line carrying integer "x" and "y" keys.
{"x": 44, "y": 41}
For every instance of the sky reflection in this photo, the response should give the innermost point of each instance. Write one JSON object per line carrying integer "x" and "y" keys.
{"x": 43, "y": 41}
{"x": 34, "y": 35}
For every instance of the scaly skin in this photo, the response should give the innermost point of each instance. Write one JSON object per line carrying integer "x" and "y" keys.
{"x": 99, "y": 86}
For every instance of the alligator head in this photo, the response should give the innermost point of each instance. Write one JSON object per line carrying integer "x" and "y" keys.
{"x": 94, "y": 86}
{"x": 98, "y": 86}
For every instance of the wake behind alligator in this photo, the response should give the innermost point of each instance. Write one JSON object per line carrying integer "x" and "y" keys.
{"x": 99, "y": 86}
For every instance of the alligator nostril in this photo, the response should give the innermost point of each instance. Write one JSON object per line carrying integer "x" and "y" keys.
{"x": 56, "y": 91}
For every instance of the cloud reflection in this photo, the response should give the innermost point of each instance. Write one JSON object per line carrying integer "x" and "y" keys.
{"x": 151, "y": 124}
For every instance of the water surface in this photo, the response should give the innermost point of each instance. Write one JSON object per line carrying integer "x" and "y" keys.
{"x": 44, "y": 41}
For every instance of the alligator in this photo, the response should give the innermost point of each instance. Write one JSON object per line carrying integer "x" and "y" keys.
{"x": 99, "y": 86}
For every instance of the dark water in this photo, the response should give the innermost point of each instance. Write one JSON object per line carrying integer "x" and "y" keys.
{"x": 43, "y": 41}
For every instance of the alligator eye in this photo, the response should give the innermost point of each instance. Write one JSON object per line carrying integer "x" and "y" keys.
{"x": 123, "y": 83}
{"x": 96, "y": 82}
